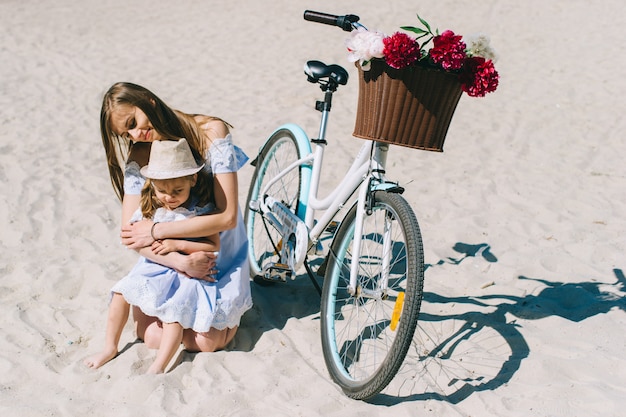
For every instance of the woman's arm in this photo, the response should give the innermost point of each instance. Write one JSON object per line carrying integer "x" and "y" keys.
{"x": 196, "y": 265}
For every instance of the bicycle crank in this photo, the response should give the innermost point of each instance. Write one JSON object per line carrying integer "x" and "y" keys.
{"x": 295, "y": 235}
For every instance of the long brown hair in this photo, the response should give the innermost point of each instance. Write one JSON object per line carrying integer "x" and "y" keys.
{"x": 169, "y": 123}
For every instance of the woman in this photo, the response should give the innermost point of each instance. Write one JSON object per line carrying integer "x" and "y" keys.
{"x": 131, "y": 118}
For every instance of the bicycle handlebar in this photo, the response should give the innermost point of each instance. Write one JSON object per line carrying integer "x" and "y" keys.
{"x": 344, "y": 22}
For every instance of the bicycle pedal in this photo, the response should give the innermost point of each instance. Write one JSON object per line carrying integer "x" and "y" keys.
{"x": 277, "y": 273}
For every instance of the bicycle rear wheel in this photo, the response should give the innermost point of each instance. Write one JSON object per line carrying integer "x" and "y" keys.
{"x": 366, "y": 332}
{"x": 279, "y": 152}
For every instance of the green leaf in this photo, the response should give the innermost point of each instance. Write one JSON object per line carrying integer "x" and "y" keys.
{"x": 425, "y": 23}
{"x": 414, "y": 30}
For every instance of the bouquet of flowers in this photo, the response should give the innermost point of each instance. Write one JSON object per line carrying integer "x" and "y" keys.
{"x": 472, "y": 59}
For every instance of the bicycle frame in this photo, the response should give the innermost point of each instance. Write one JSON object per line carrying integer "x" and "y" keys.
{"x": 366, "y": 174}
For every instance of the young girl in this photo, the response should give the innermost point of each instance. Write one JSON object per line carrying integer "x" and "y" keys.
{"x": 176, "y": 188}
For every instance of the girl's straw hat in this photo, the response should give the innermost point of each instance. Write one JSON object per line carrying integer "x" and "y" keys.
{"x": 170, "y": 159}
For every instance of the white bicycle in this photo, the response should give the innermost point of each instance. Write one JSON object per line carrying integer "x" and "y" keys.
{"x": 374, "y": 269}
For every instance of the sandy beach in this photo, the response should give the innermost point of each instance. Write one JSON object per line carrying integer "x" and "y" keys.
{"x": 522, "y": 215}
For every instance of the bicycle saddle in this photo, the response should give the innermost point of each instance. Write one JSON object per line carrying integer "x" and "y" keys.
{"x": 316, "y": 70}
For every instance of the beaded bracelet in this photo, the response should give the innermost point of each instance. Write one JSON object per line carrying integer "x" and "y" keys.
{"x": 152, "y": 231}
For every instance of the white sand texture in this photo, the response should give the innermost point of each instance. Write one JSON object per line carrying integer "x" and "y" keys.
{"x": 523, "y": 215}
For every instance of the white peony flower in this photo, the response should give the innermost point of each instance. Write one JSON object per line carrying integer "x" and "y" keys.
{"x": 365, "y": 45}
{"x": 478, "y": 45}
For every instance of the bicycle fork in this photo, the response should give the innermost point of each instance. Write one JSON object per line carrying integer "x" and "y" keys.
{"x": 374, "y": 181}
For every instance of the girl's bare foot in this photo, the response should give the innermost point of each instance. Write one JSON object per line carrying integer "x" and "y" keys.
{"x": 100, "y": 359}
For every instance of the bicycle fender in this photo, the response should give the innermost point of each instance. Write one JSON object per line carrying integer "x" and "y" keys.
{"x": 390, "y": 187}
{"x": 301, "y": 137}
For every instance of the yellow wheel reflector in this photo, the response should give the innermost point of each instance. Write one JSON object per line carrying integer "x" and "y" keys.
{"x": 397, "y": 310}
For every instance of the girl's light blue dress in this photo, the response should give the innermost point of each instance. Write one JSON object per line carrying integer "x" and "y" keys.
{"x": 172, "y": 297}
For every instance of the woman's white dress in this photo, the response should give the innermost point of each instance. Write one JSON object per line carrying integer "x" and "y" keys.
{"x": 172, "y": 297}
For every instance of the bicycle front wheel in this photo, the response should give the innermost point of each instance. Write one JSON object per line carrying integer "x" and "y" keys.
{"x": 279, "y": 152}
{"x": 367, "y": 330}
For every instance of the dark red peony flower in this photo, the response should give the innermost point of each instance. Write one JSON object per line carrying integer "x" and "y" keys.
{"x": 478, "y": 77}
{"x": 448, "y": 50}
{"x": 401, "y": 50}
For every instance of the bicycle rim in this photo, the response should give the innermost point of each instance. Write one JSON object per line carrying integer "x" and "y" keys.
{"x": 263, "y": 241}
{"x": 361, "y": 350}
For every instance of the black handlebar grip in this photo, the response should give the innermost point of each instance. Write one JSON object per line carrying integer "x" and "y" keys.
{"x": 319, "y": 17}
{"x": 344, "y": 22}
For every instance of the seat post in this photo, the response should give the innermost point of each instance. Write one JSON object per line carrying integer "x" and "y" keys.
{"x": 324, "y": 107}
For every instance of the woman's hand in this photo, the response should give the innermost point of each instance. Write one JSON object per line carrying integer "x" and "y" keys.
{"x": 137, "y": 235}
{"x": 199, "y": 265}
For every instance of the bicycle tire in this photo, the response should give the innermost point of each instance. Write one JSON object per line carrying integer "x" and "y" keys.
{"x": 361, "y": 351}
{"x": 280, "y": 150}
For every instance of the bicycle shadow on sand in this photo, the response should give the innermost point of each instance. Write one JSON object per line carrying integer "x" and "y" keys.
{"x": 273, "y": 306}
{"x": 454, "y": 355}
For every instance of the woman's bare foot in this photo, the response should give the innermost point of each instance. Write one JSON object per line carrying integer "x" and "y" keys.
{"x": 100, "y": 359}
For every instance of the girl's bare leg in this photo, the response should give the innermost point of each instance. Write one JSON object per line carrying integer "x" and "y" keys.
{"x": 117, "y": 317}
{"x": 211, "y": 341}
{"x": 170, "y": 341}
{"x": 149, "y": 329}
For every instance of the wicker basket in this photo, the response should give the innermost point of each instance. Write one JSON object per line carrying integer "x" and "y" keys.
{"x": 412, "y": 107}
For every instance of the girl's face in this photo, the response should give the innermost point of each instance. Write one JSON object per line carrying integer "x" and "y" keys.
{"x": 173, "y": 193}
{"x": 131, "y": 123}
